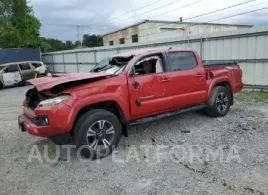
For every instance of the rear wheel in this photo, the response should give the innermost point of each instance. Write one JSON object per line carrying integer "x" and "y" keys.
{"x": 219, "y": 102}
{"x": 97, "y": 133}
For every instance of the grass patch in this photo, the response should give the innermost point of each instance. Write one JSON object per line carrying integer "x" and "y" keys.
{"x": 251, "y": 96}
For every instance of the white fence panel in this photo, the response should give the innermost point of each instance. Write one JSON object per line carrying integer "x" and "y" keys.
{"x": 70, "y": 57}
{"x": 71, "y": 68}
{"x": 86, "y": 57}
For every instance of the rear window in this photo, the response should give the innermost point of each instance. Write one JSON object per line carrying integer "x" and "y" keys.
{"x": 12, "y": 68}
{"x": 182, "y": 60}
{"x": 25, "y": 67}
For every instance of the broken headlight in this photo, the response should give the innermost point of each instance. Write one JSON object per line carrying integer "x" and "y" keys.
{"x": 53, "y": 101}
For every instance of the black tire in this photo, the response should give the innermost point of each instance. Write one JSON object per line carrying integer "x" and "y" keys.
{"x": 81, "y": 131}
{"x": 219, "y": 102}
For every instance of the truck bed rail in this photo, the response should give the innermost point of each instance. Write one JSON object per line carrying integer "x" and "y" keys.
{"x": 209, "y": 64}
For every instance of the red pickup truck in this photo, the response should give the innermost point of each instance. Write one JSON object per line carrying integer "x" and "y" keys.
{"x": 94, "y": 109}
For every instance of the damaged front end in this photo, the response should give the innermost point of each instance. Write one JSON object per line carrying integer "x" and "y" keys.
{"x": 47, "y": 108}
{"x": 42, "y": 99}
{"x": 33, "y": 98}
{"x": 49, "y": 91}
{"x": 45, "y": 114}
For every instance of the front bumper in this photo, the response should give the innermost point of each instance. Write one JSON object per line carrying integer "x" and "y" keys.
{"x": 25, "y": 124}
{"x": 59, "y": 120}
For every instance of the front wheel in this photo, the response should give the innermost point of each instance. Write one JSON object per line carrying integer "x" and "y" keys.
{"x": 97, "y": 133}
{"x": 219, "y": 102}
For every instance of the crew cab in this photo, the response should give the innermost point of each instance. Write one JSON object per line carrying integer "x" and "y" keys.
{"x": 94, "y": 109}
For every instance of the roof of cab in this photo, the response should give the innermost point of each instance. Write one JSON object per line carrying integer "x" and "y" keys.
{"x": 149, "y": 51}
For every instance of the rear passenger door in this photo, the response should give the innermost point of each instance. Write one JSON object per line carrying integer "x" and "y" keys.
{"x": 187, "y": 79}
{"x": 26, "y": 71}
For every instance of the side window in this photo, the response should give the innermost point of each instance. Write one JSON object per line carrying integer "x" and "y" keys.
{"x": 135, "y": 39}
{"x": 12, "y": 68}
{"x": 25, "y": 67}
{"x": 149, "y": 65}
{"x": 122, "y": 41}
{"x": 36, "y": 65}
{"x": 184, "y": 60}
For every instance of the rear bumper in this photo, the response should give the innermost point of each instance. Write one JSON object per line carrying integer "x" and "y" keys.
{"x": 238, "y": 87}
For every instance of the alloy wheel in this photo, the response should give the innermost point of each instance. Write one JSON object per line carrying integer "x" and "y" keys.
{"x": 100, "y": 134}
{"x": 222, "y": 102}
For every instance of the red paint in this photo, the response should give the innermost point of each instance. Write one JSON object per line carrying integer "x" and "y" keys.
{"x": 188, "y": 87}
{"x": 48, "y": 82}
{"x": 158, "y": 93}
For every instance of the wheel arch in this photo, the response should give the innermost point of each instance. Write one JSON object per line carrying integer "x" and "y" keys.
{"x": 110, "y": 106}
{"x": 223, "y": 83}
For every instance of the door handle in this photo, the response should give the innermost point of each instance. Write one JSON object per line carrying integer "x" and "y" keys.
{"x": 164, "y": 80}
{"x": 199, "y": 75}
{"x": 136, "y": 85}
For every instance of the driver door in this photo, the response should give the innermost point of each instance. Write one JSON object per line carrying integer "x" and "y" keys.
{"x": 147, "y": 88}
{"x": 11, "y": 75}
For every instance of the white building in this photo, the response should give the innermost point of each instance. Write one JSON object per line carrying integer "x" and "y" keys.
{"x": 156, "y": 29}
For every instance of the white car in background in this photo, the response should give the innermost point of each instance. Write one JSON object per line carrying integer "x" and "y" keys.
{"x": 16, "y": 73}
{"x": 40, "y": 68}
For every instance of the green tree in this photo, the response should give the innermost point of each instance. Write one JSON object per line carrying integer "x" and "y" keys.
{"x": 49, "y": 45}
{"x": 69, "y": 45}
{"x": 77, "y": 44}
{"x": 44, "y": 45}
{"x": 5, "y": 10}
{"x": 7, "y": 31}
{"x": 92, "y": 40}
{"x": 19, "y": 28}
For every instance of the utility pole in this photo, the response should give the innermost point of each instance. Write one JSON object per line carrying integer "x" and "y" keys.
{"x": 78, "y": 35}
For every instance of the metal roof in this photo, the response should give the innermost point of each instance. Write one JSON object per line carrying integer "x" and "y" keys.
{"x": 175, "y": 22}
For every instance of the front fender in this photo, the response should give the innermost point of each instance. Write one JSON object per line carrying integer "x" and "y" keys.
{"x": 96, "y": 95}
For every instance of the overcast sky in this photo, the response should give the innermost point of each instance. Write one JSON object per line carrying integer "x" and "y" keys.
{"x": 60, "y": 17}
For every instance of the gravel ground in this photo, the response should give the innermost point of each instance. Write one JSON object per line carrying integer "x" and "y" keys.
{"x": 131, "y": 169}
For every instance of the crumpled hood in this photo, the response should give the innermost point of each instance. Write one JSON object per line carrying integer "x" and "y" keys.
{"x": 49, "y": 82}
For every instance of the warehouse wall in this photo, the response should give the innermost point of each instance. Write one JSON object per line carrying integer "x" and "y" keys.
{"x": 249, "y": 47}
{"x": 155, "y": 30}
